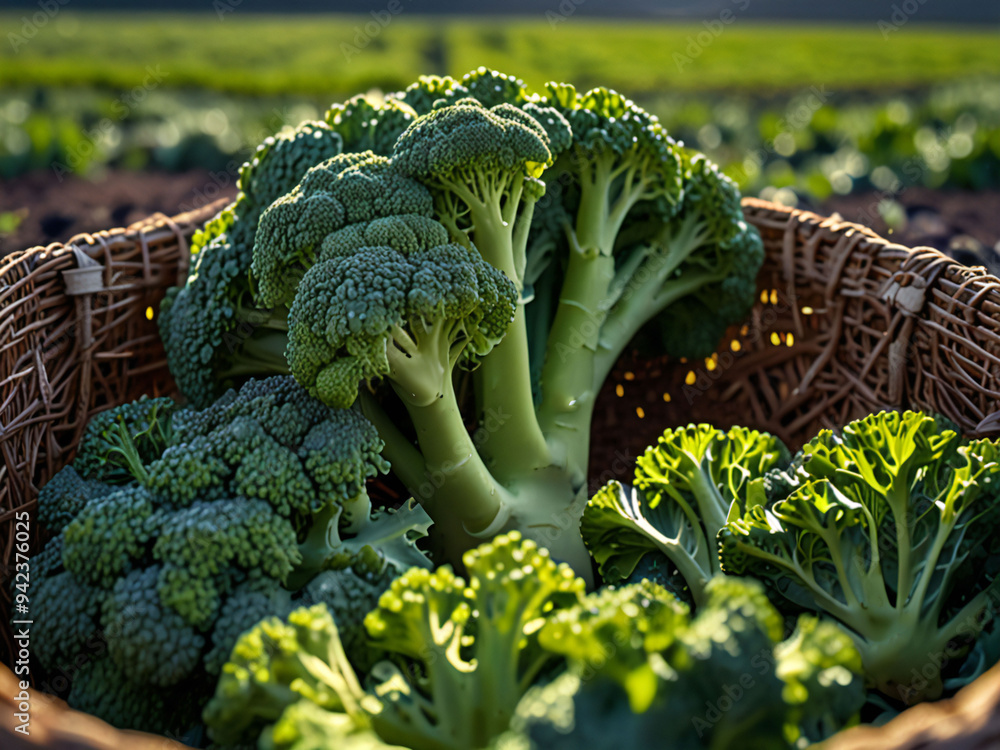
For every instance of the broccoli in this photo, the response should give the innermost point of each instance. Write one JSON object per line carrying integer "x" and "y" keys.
{"x": 465, "y": 653}
{"x": 213, "y": 332}
{"x": 364, "y": 125}
{"x": 877, "y": 535}
{"x": 277, "y": 666}
{"x": 108, "y": 535}
{"x": 118, "y": 442}
{"x": 721, "y": 679}
{"x": 62, "y": 498}
{"x": 686, "y": 488}
{"x": 496, "y": 248}
{"x": 249, "y": 501}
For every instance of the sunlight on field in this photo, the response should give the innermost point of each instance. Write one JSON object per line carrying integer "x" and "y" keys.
{"x": 342, "y": 54}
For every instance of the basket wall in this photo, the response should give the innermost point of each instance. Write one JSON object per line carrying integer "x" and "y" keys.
{"x": 64, "y": 357}
{"x": 845, "y": 323}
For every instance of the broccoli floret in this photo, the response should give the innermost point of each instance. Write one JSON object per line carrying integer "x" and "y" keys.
{"x": 200, "y": 544}
{"x": 213, "y": 332}
{"x": 63, "y": 497}
{"x": 276, "y": 665}
{"x": 685, "y": 490}
{"x": 150, "y": 643}
{"x": 66, "y": 612}
{"x": 343, "y": 190}
{"x": 118, "y": 442}
{"x": 641, "y": 663}
{"x": 368, "y": 126}
{"x": 473, "y": 644}
{"x": 109, "y": 535}
{"x": 883, "y": 521}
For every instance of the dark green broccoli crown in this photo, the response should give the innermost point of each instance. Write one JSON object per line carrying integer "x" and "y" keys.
{"x": 65, "y": 495}
{"x": 152, "y": 644}
{"x": 66, "y": 613}
{"x": 119, "y": 440}
{"x": 365, "y": 126}
{"x": 602, "y": 119}
{"x": 109, "y": 536}
{"x": 606, "y": 124}
{"x": 466, "y": 140}
{"x": 344, "y": 190}
{"x": 491, "y": 87}
{"x": 202, "y": 545}
{"x": 253, "y": 600}
{"x": 429, "y": 90}
{"x": 280, "y": 161}
{"x": 349, "y": 308}
{"x": 271, "y": 441}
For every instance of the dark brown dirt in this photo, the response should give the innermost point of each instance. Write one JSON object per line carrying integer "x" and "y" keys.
{"x": 53, "y": 210}
{"x": 965, "y": 225}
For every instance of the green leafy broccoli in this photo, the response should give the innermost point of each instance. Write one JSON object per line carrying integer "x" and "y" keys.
{"x": 686, "y": 488}
{"x": 465, "y": 653}
{"x": 722, "y": 679}
{"x": 277, "y": 665}
{"x": 877, "y": 536}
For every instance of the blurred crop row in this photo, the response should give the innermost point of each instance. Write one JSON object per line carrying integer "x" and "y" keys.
{"x": 811, "y": 142}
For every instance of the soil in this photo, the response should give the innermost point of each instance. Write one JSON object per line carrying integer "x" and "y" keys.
{"x": 51, "y": 209}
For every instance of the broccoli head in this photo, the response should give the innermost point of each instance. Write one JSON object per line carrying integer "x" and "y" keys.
{"x": 408, "y": 309}
{"x": 463, "y": 653}
{"x": 350, "y": 188}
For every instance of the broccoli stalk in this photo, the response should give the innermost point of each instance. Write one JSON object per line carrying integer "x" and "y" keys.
{"x": 483, "y": 165}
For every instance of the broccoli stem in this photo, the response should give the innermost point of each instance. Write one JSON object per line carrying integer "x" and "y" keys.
{"x": 260, "y": 354}
{"x": 636, "y": 309}
{"x": 567, "y": 383}
{"x": 456, "y": 484}
{"x": 503, "y": 379}
{"x": 406, "y": 462}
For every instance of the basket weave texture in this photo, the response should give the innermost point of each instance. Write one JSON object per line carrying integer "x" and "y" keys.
{"x": 846, "y": 323}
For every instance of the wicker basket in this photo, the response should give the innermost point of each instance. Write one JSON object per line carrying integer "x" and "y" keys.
{"x": 846, "y": 323}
